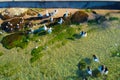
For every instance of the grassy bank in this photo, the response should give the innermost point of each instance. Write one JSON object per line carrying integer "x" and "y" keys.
{"x": 60, "y": 62}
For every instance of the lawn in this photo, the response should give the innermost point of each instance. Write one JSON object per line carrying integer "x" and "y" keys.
{"x": 59, "y": 62}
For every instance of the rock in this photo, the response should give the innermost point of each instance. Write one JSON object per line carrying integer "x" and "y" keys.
{"x": 12, "y": 12}
{"x": 14, "y": 25}
{"x": 31, "y": 12}
{"x": 79, "y": 17}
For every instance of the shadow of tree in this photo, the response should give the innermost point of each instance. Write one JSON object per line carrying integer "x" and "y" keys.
{"x": 44, "y": 21}
{"x": 37, "y": 18}
{"x": 77, "y": 36}
{"x": 81, "y": 72}
{"x": 87, "y": 60}
{"x": 105, "y": 77}
{"x": 34, "y": 18}
{"x": 42, "y": 33}
{"x": 73, "y": 78}
{"x": 71, "y": 38}
{"x": 96, "y": 73}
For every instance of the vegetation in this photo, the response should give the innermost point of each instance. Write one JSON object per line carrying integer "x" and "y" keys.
{"x": 92, "y": 21}
{"x": 61, "y": 34}
{"x": 113, "y": 18}
{"x": 116, "y": 52}
{"x": 82, "y": 65}
{"x": 96, "y": 73}
{"x": 15, "y": 40}
{"x": 36, "y": 56}
{"x": 1, "y": 53}
{"x": 59, "y": 56}
{"x": 7, "y": 70}
{"x": 88, "y": 10}
{"x": 36, "y": 51}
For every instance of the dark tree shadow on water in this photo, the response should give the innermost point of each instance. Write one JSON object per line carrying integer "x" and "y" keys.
{"x": 42, "y": 33}
{"x": 77, "y": 36}
{"x": 96, "y": 74}
{"x": 73, "y": 78}
{"x": 87, "y": 60}
{"x": 81, "y": 72}
{"x": 80, "y": 75}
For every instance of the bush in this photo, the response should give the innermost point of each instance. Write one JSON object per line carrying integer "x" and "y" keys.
{"x": 92, "y": 22}
{"x": 96, "y": 73}
{"x": 113, "y": 18}
{"x": 79, "y": 17}
{"x": 116, "y": 52}
{"x": 58, "y": 28}
{"x": 63, "y": 35}
{"x": 36, "y": 51}
{"x": 1, "y": 53}
{"x": 15, "y": 40}
{"x": 64, "y": 42}
{"x": 36, "y": 57}
{"x": 70, "y": 31}
{"x": 82, "y": 65}
{"x": 88, "y": 10}
{"x": 36, "y": 54}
